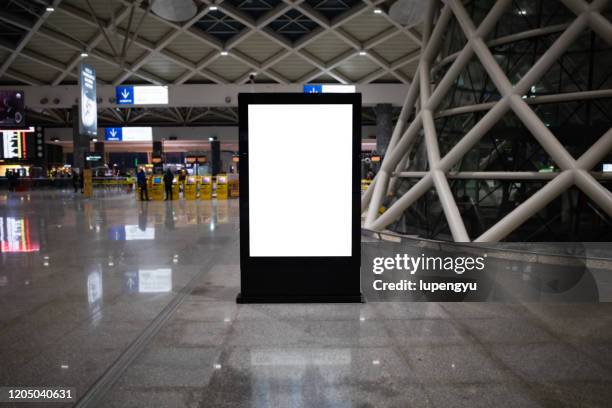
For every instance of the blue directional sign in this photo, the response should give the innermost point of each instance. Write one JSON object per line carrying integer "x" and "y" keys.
{"x": 113, "y": 134}
{"x": 313, "y": 88}
{"x": 124, "y": 95}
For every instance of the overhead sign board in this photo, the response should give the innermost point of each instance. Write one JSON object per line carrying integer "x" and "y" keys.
{"x": 141, "y": 95}
{"x": 329, "y": 88}
{"x": 128, "y": 134}
{"x": 88, "y": 104}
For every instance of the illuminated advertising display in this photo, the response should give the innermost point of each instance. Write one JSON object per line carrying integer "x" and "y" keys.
{"x": 12, "y": 109}
{"x": 14, "y": 144}
{"x": 88, "y": 104}
{"x": 320, "y": 246}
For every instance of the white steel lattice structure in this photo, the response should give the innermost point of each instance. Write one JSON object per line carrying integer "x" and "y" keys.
{"x": 425, "y": 100}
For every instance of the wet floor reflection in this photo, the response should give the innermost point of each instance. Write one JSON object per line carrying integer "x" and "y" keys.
{"x": 80, "y": 279}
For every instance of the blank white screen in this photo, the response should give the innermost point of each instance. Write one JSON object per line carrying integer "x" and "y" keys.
{"x": 300, "y": 172}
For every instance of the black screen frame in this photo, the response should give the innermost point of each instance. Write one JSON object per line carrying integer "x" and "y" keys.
{"x": 299, "y": 279}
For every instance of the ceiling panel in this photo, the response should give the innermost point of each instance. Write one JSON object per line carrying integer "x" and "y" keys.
{"x": 229, "y": 68}
{"x": 258, "y": 47}
{"x": 41, "y": 45}
{"x": 163, "y": 67}
{"x": 327, "y": 47}
{"x": 366, "y": 26}
{"x": 189, "y": 48}
{"x": 293, "y": 67}
{"x": 75, "y": 30}
{"x": 396, "y": 47}
{"x": 357, "y": 67}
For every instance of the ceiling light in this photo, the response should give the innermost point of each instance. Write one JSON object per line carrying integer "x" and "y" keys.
{"x": 50, "y": 9}
{"x": 224, "y": 53}
{"x": 213, "y": 8}
{"x": 377, "y": 11}
{"x": 94, "y": 139}
{"x": 84, "y": 54}
{"x": 363, "y": 52}
{"x": 522, "y": 12}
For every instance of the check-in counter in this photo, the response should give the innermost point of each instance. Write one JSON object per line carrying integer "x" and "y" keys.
{"x": 137, "y": 189}
{"x": 156, "y": 191}
{"x": 234, "y": 186}
{"x": 222, "y": 187}
{"x": 206, "y": 188}
{"x": 191, "y": 187}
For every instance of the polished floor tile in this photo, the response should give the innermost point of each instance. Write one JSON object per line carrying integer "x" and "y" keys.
{"x": 83, "y": 281}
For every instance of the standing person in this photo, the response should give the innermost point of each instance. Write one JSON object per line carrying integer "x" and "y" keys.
{"x": 15, "y": 179}
{"x": 181, "y": 179}
{"x": 168, "y": 178}
{"x": 10, "y": 179}
{"x": 75, "y": 180}
{"x": 141, "y": 177}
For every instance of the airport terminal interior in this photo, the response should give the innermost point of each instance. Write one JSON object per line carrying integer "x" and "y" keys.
{"x": 154, "y": 241}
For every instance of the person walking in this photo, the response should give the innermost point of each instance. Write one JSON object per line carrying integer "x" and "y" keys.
{"x": 168, "y": 179}
{"x": 141, "y": 177}
{"x": 75, "y": 180}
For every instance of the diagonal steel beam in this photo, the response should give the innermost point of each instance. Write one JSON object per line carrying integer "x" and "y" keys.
{"x": 26, "y": 39}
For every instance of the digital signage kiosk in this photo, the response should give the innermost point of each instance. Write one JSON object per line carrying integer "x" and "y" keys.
{"x": 302, "y": 242}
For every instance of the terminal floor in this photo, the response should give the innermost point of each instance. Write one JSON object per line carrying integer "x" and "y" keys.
{"x": 82, "y": 282}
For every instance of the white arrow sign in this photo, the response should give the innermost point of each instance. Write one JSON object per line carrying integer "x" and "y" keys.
{"x": 113, "y": 133}
{"x": 125, "y": 93}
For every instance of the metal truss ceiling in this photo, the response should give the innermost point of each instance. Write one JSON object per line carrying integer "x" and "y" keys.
{"x": 339, "y": 41}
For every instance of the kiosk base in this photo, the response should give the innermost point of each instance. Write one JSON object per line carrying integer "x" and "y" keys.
{"x": 241, "y": 299}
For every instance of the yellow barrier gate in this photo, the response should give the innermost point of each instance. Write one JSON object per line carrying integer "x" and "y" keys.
{"x": 191, "y": 188}
{"x": 156, "y": 192}
{"x": 222, "y": 192}
{"x": 206, "y": 188}
{"x": 87, "y": 183}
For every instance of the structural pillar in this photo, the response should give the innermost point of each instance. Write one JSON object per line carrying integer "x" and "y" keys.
{"x": 384, "y": 127}
{"x": 215, "y": 157}
{"x": 80, "y": 142}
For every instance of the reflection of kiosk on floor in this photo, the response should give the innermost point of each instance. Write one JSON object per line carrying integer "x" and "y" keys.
{"x": 222, "y": 191}
{"x": 302, "y": 246}
{"x": 190, "y": 189}
{"x": 176, "y": 189}
{"x": 206, "y": 188}
{"x": 234, "y": 186}
{"x": 157, "y": 188}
